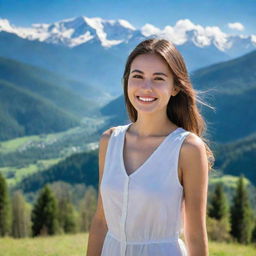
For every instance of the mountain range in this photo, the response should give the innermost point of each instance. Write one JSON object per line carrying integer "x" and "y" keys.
{"x": 94, "y": 50}
{"x": 79, "y": 30}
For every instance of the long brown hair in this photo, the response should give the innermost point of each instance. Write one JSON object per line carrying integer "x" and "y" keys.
{"x": 181, "y": 109}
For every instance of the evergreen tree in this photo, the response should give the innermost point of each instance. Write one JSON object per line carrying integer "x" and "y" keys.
{"x": 5, "y": 214}
{"x": 66, "y": 215}
{"x": 218, "y": 204}
{"x": 241, "y": 214}
{"x": 21, "y": 222}
{"x": 87, "y": 208}
{"x": 218, "y": 223}
{"x": 66, "y": 212}
{"x": 44, "y": 214}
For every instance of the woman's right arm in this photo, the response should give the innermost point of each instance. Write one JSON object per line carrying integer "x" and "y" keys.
{"x": 98, "y": 228}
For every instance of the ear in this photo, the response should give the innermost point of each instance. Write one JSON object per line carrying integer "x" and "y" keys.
{"x": 175, "y": 90}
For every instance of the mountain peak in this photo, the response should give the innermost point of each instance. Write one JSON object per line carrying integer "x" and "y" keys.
{"x": 6, "y": 26}
{"x": 79, "y": 30}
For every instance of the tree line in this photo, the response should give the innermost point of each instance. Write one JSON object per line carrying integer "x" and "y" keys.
{"x": 234, "y": 222}
{"x": 53, "y": 213}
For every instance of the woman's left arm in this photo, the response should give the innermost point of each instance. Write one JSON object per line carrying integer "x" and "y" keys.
{"x": 194, "y": 168}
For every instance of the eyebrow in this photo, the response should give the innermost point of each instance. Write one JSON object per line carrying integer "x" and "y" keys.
{"x": 156, "y": 73}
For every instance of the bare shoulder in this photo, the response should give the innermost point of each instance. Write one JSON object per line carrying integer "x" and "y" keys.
{"x": 192, "y": 144}
{"x": 193, "y": 152}
{"x": 103, "y": 143}
{"x": 109, "y": 131}
{"x": 105, "y": 136}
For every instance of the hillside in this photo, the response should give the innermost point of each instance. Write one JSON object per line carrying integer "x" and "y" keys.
{"x": 28, "y": 113}
{"x": 22, "y": 157}
{"x": 54, "y": 87}
{"x": 232, "y": 91}
{"x": 96, "y": 69}
{"x": 78, "y": 168}
{"x": 41, "y": 101}
{"x": 231, "y": 76}
{"x": 238, "y": 157}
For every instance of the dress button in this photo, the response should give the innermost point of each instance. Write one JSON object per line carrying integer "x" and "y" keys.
{"x": 123, "y": 218}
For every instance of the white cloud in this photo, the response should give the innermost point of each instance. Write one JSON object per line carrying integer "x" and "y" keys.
{"x": 236, "y": 25}
{"x": 185, "y": 30}
{"x": 148, "y": 30}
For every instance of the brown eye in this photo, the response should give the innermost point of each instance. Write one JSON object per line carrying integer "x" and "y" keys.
{"x": 159, "y": 78}
{"x": 137, "y": 76}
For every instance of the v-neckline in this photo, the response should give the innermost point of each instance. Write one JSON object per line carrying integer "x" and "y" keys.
{"x": 149, "y": 158}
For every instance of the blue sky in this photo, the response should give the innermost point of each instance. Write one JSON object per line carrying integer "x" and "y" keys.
{"x": 138, "y": 12}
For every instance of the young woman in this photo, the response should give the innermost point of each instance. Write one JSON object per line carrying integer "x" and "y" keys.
{"x": 153, "y": 172}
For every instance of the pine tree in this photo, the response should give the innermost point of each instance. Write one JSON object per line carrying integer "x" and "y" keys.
{"x": 44, "y": 214}
{"x": 87, "y": 208}
{"x": 5, "y": 214}
{"x": 66, "y": 215}
{"x": 21, "y": 222}
{"x": 241, "y": 214}
{"x": 218, "y": 223}
{"x": 218, "y": 204}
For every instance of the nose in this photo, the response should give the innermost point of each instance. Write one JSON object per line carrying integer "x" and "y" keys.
{"x": 147, "y": 84}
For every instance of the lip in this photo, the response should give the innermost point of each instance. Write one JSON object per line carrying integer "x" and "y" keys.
{"x": 146, "y": 102}
{"x": 151, "y": 97}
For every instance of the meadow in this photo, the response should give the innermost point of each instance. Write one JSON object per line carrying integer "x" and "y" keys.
{"x": 76, "y": 245}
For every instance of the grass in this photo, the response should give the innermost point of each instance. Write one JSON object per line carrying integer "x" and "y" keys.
{"x": 76, "y": 245}
{"x": 224, "y": 249}
{"x": 61, "y": 245}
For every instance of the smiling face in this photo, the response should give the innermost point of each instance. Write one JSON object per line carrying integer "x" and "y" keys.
{"x": 150, "y": 83}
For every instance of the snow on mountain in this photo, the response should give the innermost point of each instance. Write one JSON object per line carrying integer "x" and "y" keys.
{"x": 76, "y": 31}
{"x": 253, "y": 39}
{"x": 6, "y": 26}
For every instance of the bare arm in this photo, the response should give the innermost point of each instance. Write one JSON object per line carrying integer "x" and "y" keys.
{"x": 194, "y": 168}
{"x": 99, "y": 227}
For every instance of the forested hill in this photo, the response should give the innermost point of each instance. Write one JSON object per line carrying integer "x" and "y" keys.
{"x": 233, "y": 76}
{"x": 35, "y": 101}
{"x": 78, "y": 168}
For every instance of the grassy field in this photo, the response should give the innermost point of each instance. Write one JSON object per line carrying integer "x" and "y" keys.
{"x": 75, "y": 245}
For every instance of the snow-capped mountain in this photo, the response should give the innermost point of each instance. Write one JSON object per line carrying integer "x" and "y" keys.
{"x": 94, "y": 50}
{"x": 76, "y": 31}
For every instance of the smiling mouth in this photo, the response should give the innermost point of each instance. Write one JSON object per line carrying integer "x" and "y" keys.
{"x": 146, "y": 99}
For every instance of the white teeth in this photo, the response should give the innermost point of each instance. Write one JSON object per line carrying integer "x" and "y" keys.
{"x": 146, "y": 99}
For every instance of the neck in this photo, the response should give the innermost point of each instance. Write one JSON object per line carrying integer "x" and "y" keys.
{"x": 152, "y": 125}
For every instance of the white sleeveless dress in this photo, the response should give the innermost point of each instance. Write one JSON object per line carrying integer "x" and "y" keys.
{"x": 143, "y": 210}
